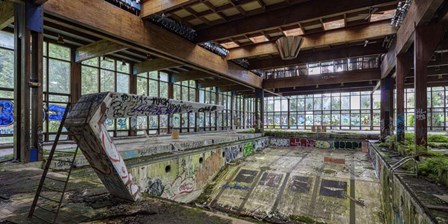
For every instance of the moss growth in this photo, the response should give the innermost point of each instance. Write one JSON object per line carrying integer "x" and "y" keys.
{"x": 434, "y": 167}
{"x": 304, "y": 219}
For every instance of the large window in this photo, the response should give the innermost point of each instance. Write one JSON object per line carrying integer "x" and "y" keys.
{"x": 349, "y": 110}
{"x": 106, "y": 74}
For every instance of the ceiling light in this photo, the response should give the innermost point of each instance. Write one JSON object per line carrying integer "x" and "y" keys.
{"x": 293, "y": 32}
{"x": 335, "y": 24}
{"x": 230, "y": 44}
{"x": 60, "y": 39}
{"x": 259, "y": 39}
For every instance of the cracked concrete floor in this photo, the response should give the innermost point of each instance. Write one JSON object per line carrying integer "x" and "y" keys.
{"x": 296, "y": 183}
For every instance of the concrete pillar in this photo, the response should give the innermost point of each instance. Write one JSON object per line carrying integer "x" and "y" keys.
{"x": 403, "y": 67}
{"x": 420, "y": 85}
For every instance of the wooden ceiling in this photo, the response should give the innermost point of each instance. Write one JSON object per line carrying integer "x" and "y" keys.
{"x": 240, "y": 23}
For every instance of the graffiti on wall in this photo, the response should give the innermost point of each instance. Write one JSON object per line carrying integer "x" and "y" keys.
{"x": 86, "y": 122}
{"x": 233, "y": 153}
{"x": 260, "y": 144}
{"x": 6, "y": 117}
{"x": 302, "y": 142}
{"x": 248, "y": 149}
{"x": 280, "y": 142}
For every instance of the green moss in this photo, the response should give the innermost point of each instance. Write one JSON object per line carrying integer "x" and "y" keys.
{"x": 433, "y": 167}
{"x": 304, "y": 219}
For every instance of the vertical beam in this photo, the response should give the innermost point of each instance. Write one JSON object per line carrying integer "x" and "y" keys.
{"x": 170, "y": 96}
{"x": 217, "y": 103}
{"x": 132, "y": 90}
{"x": 259, "y": 110}
{"x": 289, "y": 113}
{"x": 420, "y": 85}
{"x": 196, "y": 114}
{"x": 37, "y": 93}
{"x": 371, "y": 111}
{"x": 403, "y": 67}
{"x": 386, "y": 109}
{"x": 232, "y": 96}
{"x": 22, "y": 71}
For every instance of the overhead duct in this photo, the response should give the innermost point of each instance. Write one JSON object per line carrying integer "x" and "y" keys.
{"x": 289, "y": 47}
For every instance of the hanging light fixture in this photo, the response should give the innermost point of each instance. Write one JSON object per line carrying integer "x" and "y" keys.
{"x": 60, "y": 39}
{"x": 289, "y": 47}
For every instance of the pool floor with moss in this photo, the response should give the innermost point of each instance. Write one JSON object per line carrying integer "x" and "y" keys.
{"x": 305, "y": 185}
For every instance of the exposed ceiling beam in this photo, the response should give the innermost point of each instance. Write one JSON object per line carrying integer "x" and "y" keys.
{"x": 153, "y": 65}
{"x": 191, "y": 75}
{"x": 285, "y": 16}
{"x": 217, "y": 83}
{"x": 333, "y": 88}
{"x": 152, "y": 7}
{"x": 323, "y": 79}
{"x": 144, "y": 36}
{"x": 334, "y": 37}
{"x": 319, "y": 55}
{"x": 97, "y": 49}
{"x": 6, "y": 14}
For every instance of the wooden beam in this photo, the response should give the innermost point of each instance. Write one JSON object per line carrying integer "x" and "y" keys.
{"x": 191, "y": 75}
{"x": 323, "y": 79}
{"x": 6, "y": 14}
{"x": 144, "y": 36}
{"x": 152, "y": 7}
{"x": 153, "y": 65}
{"x": 419, "y": 13}
{"x": 334, "y": 37}
{"x": 97, "y": 49}
{"x": 356, "y": 86}
{"x": 319, "y": 55}
{"x": 285, "y": 16}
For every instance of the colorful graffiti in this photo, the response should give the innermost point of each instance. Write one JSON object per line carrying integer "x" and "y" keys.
{"x": 233, "y": 153}
{"x": 260, "y": 144}
{"x": 6, "y": 113}
{"x": 248, "y": 149}
{"x": 302, "y": 142}
{"x": 86, "y": 122}
{"x": 55, "y": 112}
{"x": 280, "y": 142}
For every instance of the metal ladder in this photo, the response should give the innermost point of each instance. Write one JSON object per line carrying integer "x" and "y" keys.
{"x": 53, "y": 187}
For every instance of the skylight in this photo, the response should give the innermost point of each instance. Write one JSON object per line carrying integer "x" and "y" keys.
{"x": 382, "y": 15}
{"x": 230, "y": 44}
{"x": 335, "y": 24}
{"x": 293, "y": 32}
{"x": 259, "y": 39}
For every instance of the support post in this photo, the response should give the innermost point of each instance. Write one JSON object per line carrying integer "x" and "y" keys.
{"x": 403, "y": 68}
{"x": 170, "y": 96}
{"x": 386, "y": 108}
{"x": 420, "y": 85}
{"x": 196, "y": 99}
{"x": 22, "y": 71}
{"x": 217, "y": 103}
{"x": 132, "y": 90}
{"x": 259, "y": 110}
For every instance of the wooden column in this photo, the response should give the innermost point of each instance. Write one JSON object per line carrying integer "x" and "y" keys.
{"x": 420, "y": 85}
{"x": 170, "y": 96}
{"x": 37, "y": 93}
{"x": 196, "y": 115}
{"x": 371, "y": 111}
{"x": 132, "y": 90}
{"x": 22, "y": 71}
{"x": 217, "y": 103}
{"x": 232, "y": 96}
{"x": 289, "y": 113}
{"x": 403, "y": 67}
{"x": 386, "y": 107}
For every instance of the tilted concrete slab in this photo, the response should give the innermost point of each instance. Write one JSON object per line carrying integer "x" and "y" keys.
{"x": 86, "y": 124}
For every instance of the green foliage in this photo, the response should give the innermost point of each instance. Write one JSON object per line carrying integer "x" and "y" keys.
{"x": 433, "y": 167}
{"x": 438, "y": 138}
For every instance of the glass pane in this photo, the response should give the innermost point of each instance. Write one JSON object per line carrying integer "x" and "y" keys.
{"x": 89, "y": 80}
{"x": 122, "y": 83}
{"x": 107, "y": 81}
{"x": 59, "y": 76}
{"x": 59, "y": 52}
